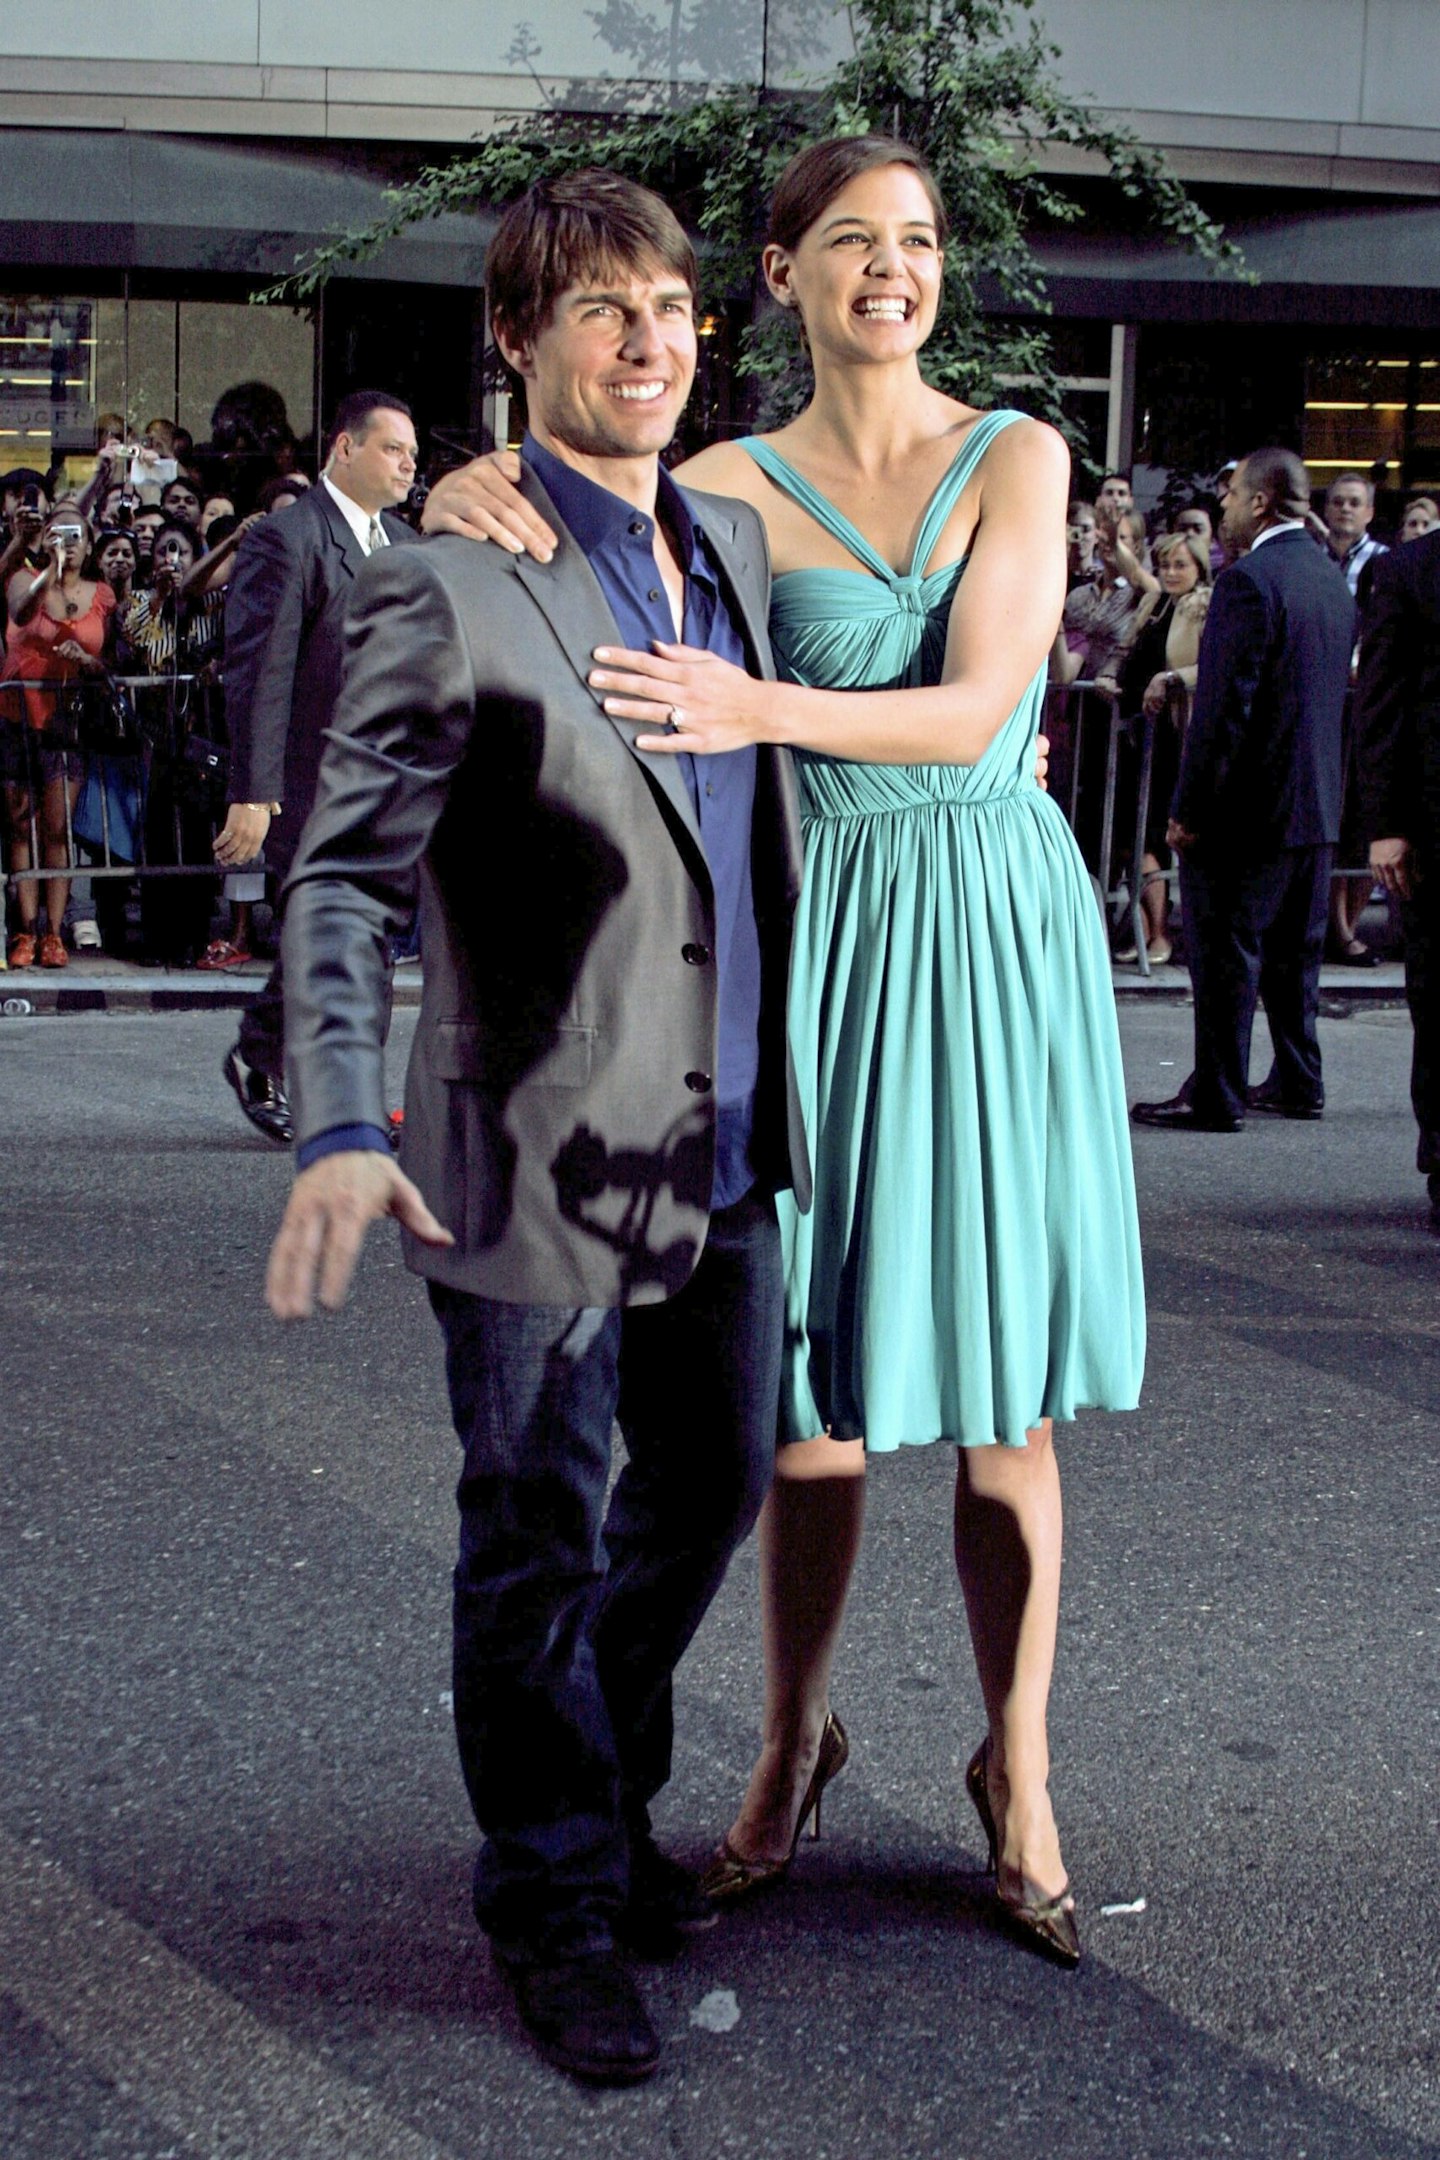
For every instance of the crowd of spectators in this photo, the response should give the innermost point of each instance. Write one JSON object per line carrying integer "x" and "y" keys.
{"x": 112, "y": 600}
{"x": 112, "y": 607}
{"x": 1130, "y": 635}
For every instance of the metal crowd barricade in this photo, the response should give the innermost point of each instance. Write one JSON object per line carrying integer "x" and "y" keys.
{"x": 121, "y": 745}
{"x": 1083, "y": 705}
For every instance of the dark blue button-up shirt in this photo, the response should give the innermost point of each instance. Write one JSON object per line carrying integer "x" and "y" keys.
{"x": 619, "y": 543}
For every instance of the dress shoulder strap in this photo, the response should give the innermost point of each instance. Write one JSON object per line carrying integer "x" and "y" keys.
{"x": 962, "y": 470}
{"x": 798, "y": 488}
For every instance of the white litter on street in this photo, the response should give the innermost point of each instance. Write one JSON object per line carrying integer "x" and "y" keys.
{"x": 1112, "y": 1912}
{"x": 717, "y": 2012}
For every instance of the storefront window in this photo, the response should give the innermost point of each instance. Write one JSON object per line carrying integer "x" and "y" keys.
{"x": 1378, "y": 415}
{"x": 47, "y": 376}
{"x": 67, "y": 364}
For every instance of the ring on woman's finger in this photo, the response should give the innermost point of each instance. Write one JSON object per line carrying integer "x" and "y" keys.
{"x": 675, "y": 721}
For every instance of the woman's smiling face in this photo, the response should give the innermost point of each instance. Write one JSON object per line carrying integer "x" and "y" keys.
{"x": 1177, "y": 570}
{"x": 865, "y": 277}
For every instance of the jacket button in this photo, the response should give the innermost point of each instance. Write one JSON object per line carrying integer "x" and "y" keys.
{"x": 698, "y": 1083}
{"x": 695, "y": 955}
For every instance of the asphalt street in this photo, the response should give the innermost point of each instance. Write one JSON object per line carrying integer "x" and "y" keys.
{"x": 234, "y": 1844}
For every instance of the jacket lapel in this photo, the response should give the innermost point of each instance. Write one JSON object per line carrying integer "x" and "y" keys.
{"x": 746, "y": 584}
{"x": 352, "y": 555}
{"x": 568, "y": 594}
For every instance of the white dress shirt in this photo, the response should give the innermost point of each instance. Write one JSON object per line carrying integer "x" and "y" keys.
{"x": 368, "y": 530}
{"x": 1285, "y": 525}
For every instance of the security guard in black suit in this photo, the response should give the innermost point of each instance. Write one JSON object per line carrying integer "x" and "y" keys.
{"x": 284, "y": 610}
{"x": 1256, "y": 814}
{"x": 1397, "y": 736}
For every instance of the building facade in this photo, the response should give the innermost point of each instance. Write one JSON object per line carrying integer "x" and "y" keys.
{"x": 157, "y": 164}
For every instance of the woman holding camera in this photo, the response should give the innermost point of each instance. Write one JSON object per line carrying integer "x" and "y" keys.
{"x": 56, "y": 636}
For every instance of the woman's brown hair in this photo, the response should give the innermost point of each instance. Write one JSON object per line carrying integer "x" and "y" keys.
{"x": 814, "y": 177}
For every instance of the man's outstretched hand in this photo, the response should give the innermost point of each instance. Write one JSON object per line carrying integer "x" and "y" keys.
{"x": 331, "y": 1207}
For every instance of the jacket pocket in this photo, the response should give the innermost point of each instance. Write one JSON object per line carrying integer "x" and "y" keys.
{"x": 464, "y": 1051}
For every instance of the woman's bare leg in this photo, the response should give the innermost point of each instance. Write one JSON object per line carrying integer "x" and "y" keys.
{"x": 1008, "y": 1526}
{"x": 27, "y": 894}
{"x": 59, "y": 794}
{"x": 809, "y": 1537}
{"x": 1154, "y": 899}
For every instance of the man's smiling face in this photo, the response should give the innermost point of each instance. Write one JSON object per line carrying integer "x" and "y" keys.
{"x": 608, "y": 375}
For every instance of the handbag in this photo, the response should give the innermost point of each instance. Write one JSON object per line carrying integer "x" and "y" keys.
{"x": 107, "y": 719}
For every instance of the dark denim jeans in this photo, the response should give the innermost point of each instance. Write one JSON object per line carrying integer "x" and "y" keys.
{"x": 570, "y": 1619}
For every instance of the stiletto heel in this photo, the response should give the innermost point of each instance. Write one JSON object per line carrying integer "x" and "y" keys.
{"x": 1044, "y": 1923}
{"x": 729, "y": 1876}
{"x": 977, "y": 1785}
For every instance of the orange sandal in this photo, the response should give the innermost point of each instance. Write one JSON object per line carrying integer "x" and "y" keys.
{"x": 52, "y": 951}
{"x": 221, "y": 955}
{"x": 22, "y": 949}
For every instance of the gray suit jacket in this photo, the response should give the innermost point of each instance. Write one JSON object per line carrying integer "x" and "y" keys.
{"x": 559, "y": 1117}
{"x": 284, "y": 648}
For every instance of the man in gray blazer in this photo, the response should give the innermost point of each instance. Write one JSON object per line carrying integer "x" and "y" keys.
{"x": 599, "y": 1107}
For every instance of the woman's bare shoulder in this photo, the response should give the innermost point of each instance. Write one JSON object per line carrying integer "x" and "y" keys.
{"x": 722, "y": 469}
{"x": 1031, "y": 446}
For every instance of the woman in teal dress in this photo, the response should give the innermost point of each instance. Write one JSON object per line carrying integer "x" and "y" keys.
{"x": 970, "y": 1270}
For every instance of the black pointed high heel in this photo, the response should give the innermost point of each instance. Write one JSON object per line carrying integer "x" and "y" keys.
{"x": 1045, "y": 1923}
{"x": 730, "y": 1877}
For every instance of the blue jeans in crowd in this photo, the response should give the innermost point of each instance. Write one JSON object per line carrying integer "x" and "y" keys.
{"x": 569, "y": 1619}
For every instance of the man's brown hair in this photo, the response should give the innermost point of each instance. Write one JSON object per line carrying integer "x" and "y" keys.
{"x": 585, "y": 226}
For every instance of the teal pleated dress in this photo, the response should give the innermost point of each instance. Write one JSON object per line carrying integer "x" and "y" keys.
{"x": 972, "y": 1260}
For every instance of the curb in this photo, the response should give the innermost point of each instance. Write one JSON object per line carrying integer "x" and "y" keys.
{"x": 26, "y": 994}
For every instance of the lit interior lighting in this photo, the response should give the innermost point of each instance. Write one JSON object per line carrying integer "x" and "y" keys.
{"x": 1336, "y": 405}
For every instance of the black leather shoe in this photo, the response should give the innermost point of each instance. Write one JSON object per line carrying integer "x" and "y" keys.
{"x": 262, "y": 1099}
{"x": 664, "y": 1907}
{"x": 586, "y": 2017}
{"x": 1268, "y": 1098}
{"x": 1180, "y": 1115}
